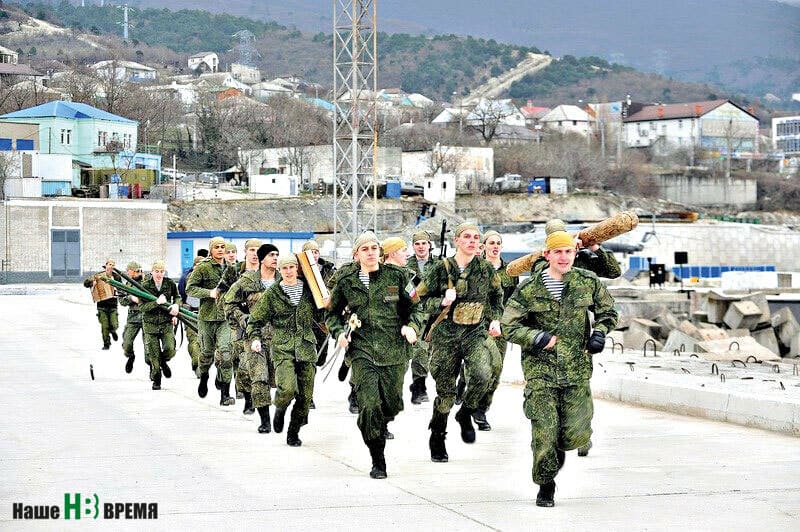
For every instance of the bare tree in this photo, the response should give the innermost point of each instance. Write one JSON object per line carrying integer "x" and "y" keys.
{"x": 487, "y": 116}
{"x": 5, "y": 172}
{"x": 445, "y": 159}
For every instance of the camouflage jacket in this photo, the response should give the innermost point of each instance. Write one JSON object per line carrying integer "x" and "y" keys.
{"x": 292, "y": 336}
{"x": 328, "y": 271}
{"x": 383, "y": 308}
{"x": 230, "y": 275}
{"x": 134, "y": 310}
{"x": 478, "y": 283}
{"x": 240, "y": 299}
{"x": 507, "y": 283}
{"x": 413, "y": 264}
{"x": 532, "y": 309}
{"x": 601, "y": 262}
{"x": 152, "y": 313}
{"x": 205, "y": 277}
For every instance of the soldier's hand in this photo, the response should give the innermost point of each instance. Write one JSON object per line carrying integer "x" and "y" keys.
{"x": 326, "y": 302}
{"x": 552, "y": 343}
{"x": 173, "y": 309}
{"x": 255, "y": 346}
{"x": 134, "y": 299}
{"x": 174, "y": 321}
{"x": 449, "y": 297}
{"x": 161, "y": 299}
{"x": 214, "y": 293}
{"x": 409, "y": 334}
{"x": 342, "y": 341}
{"x": 494, "y": 328}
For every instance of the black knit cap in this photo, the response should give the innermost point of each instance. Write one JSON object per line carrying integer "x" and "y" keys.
{"x": 265, "y": 250}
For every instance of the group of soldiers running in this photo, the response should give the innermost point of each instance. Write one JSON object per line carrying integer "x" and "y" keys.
{"x": 452, "y": 317}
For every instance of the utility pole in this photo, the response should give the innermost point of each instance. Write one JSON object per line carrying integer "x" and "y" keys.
{"x": 125, "y": 22}
{"x": 355, "y": 143}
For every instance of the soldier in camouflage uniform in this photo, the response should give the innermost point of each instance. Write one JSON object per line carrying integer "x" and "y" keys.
{"x": 236, "y": 311}
{"x": 230, "y": 254}
{"x": 214, "y": 332}
{"x": 464, "y": 293}
{"x": 493, "y": 243}
{"x": 106, "y": 309}
{"x": 385, "y": 302}
{"x": 327, "y": 270}
{"x": 233, "y": 269}
{"x": 239, "y": 303}
{"x": 548, "y": 316}
{"x": 192, "y": 304}
{"x": 288, "y": 307}
{"x": 420, "y": 263}
{"x": 133, "y": 323}
{"x": 157, "y": 322}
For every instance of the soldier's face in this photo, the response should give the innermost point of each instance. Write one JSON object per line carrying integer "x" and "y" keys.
{"x": 493, "y": 245}
{"x": 368, "y": 255}
{"x": 251, "y": 256}
{"x": 560, "y": 259}
{"x": 468, "y": 242}
{"x": 218, "y": 252}
{"x": 158, "y": 275}
{"x": 289, "y": 273}
{"x": 230, "y": 256}
{"x": 422, "y": 248}
{"x": 109, "y": 268}
{"x": 133, "y": 273}
{"x": 315, "y": 253}
{"x": 399, "y": 257}
{"x": 271, "y": 260}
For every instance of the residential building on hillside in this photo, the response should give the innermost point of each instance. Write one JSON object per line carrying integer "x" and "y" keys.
{"x": 786, "y": 142}
{"x": 13, "y": 73}
{"x": 566, "y": 119}
{"x": 125, "y": 70}
{"x": 499, "y": 111}
{"x": 533, "y": 113}
{"x": 204, "y": 62}
{"x": 245, "y": 73}
{"x": 266, "y": 89}
{"x": 718, "y": 127}
{"x": 8, "y": 55}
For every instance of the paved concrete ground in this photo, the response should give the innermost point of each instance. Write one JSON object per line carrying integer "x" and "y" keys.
{"x": 207, "y": 467}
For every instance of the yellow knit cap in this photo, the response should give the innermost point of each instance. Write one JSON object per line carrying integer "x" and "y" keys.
{"x": 559, "y": 239}
{"x": 392, "y": 244}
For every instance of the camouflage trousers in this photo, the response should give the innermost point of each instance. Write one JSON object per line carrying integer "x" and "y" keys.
{"x": 497, "y": 353}
{"x": 193, "y": 346}
{"x": 132, "y": 328}
{"x": 379, "y": 393}
{"x": 420, "y": 359}
{"x": 295, "y": 380}
{"x": 159, "y": 345}
{"x": 240, "y": 363}
{"x": 448, "y": 350}
{"x": 561, "y": 418}
{"x": 108, "y": 322}
{"x": 215, "y": 346}
{"x": 261, "y": 374}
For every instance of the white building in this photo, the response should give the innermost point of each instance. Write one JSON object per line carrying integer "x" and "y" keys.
{"x": 125, "y": 70}
{"x": 275, "y": 184}
{"x": 266, "y": 89}
{"x": 472, "y": 167}
{"x": 497, "y": 111}
{"x": 566, "y": 119}
{"x": 440, "y": 188}
{"x": 713, "y": 126}
{"x": 245, "y": 73}
{"x": 786, "y": 142}
{"x": 186, "y": 93}
{"x": 204, "y": 62}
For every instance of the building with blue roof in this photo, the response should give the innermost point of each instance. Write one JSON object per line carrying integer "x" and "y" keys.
{"x": 87, "y": 134}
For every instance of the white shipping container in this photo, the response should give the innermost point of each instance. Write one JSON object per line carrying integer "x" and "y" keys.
{"x": 23, "y": 187}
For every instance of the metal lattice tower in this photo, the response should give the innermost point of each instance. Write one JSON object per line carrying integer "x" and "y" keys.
{"x": 245, "y": 47}
{"x": 355, "y": 83}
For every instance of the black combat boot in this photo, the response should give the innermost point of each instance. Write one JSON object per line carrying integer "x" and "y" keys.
{"x": 225, "y": 398}
{"x": 129, "y": 363}
{"x": 277, "y": 423}
{"x": 584, "y": 451}
{"x": 265, "y": 427}
{"x": 217, "y": 382}
{"x": 202, "y": 388}
{"x": 423, "y": 390}
{"x": 157, "y": 382}
{"x": 376, "y": 448}
{"x": 293, "y": 435}
{"x": 464, "y": 418}
{"x": 114, "y": 335}
{"x": 438, "y": 426}
{"x": 165, "y": 368}
{"x": 248, "y": 404}
{"x": 385, "y": 434}
{"x": 545, "y": 496}
{"x": 106, "y": 346}
{"x": 479, "y": 417}
{"x": 415, "y": 392}
{"x": 351, "y": 399}
{"x": 311, "y": 405}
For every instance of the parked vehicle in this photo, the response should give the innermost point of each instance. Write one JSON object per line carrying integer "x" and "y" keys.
{"x": 508, "y": 183}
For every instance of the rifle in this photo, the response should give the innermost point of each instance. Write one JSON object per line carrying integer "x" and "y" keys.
{"x": 442, "y": 240}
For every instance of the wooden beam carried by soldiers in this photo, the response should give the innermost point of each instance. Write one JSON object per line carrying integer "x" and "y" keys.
{"x": 313, "y": 276}
{"x": 101, "y": 290}
{"x": 611, "y": 227}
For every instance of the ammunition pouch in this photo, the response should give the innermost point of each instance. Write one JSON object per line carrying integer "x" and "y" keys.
{"x": 468, "y": 313}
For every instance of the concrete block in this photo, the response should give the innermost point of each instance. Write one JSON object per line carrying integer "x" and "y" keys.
{"x": 677, "y": 339}
{"x": 781, "y": 316}
{"x": 745, "y": 314}
{"x": 787, "y": 331}
{"x": 648, "y": 327}
{"x": 720, "y": 350}
{"x": 635, "y": 339}
{"x": 760, "y": 299}
{"x": 768, "y": 339}
{"x": 668, "y": 321}
{"x": 794, "y": 347}
{"x": 688, "y": 328}
{"x": 716, "y": 309}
